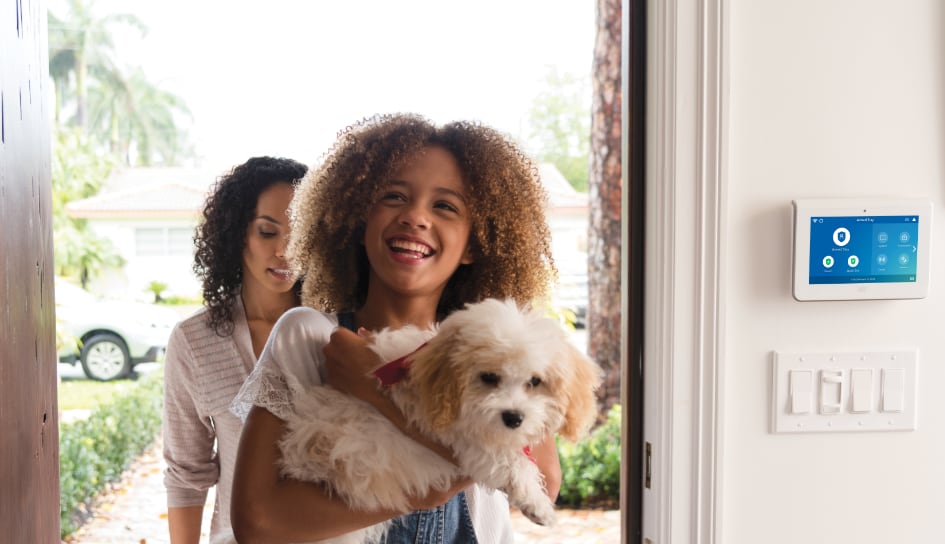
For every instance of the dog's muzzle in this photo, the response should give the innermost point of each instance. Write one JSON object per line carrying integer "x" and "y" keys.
{"x": 512, "y": 419}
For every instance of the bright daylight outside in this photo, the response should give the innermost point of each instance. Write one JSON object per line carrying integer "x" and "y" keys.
{"x": 156, "y": 102}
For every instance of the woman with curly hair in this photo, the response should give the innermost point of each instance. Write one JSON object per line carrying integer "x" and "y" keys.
{"x": 403, "y": 223}
{"x": 247, "y": 286}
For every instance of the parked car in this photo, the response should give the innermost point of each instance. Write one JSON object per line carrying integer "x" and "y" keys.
{"x": 571, "y": 295}
{"x": 109, "y": 337}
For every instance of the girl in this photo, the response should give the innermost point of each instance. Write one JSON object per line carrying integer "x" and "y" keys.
{"x": 403, "y": 223}
{"x": 247, "y": 285}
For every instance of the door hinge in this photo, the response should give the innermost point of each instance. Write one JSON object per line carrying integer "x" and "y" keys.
{"x": 649, "y": 465}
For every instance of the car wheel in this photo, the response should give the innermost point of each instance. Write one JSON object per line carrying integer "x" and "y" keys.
{"x": 105, "y": 357}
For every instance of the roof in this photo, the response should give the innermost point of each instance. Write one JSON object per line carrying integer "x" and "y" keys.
{"x": 561, "y": 194}
{"x": 180, "y": 192}
{"x": 170, "y": 199}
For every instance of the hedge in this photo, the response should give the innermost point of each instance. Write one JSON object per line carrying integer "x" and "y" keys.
{"x": 590, "y": 469}
{"x": 94, "y": 452}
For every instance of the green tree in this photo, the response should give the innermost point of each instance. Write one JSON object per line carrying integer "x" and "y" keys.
{"x": 119, "y": 108}
{"x": 560, "y": 126}
{"x": 77, "y": 173}
{"x": 81, "y": 47}
{"x": 139, "y": 120}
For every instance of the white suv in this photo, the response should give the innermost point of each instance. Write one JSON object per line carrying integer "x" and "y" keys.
{"x": 109, "y": 337}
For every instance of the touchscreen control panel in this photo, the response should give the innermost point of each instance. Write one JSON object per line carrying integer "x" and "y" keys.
{"x": 849, "y": 250}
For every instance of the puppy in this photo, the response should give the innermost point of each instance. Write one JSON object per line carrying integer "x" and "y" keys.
{"x": 492, "y": 380}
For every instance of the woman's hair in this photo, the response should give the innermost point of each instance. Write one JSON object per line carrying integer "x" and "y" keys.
{"x": 221, "y": 237}
{"x": 509, "y": 239}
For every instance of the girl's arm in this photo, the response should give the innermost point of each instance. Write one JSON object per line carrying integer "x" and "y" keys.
{"x": 546, "y": 457}
{"x": 350, "y": 362}
{"x": 268, "y": 508}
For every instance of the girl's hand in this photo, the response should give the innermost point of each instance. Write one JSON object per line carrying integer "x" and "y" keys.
{"x": 349, "y": 362}
{"x": 438, "y": 498}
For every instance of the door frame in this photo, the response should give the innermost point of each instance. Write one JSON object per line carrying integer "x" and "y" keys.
{"x": 687, "y": 82}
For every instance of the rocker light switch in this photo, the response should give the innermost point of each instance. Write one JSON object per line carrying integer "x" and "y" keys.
{"x": 893, "y": 381}
{"x": 861, "y": 390}
{"x": 800, "y": 391}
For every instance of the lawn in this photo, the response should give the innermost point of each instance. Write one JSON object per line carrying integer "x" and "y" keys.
{"x": 87, "y": 394}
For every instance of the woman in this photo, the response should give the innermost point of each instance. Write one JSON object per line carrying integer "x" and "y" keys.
{"x": 247, "y": 286}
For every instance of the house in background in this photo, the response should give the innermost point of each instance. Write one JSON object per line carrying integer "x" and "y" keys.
{"x": 149, "y": 214}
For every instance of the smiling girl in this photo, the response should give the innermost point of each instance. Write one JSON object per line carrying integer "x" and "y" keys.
{"x": 403, "y": 223}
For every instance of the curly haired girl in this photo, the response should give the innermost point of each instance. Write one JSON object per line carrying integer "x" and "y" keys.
{"x": 402, "y": 223}
{"x": 247, "y": 285}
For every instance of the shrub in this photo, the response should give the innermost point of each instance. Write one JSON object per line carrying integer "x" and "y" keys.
{"x": 94, "y": 452}
{"x": 590, "y": 469}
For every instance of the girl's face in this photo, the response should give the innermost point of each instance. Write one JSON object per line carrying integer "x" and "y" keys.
{"x": 417, "y": 233}
{"x": 264, "y": 264}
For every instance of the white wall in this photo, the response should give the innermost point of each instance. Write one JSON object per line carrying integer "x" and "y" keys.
{"x": 132, "y": 280}
{"x": 828, "y": 98}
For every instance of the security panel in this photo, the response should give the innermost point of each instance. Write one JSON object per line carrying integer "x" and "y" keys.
{"x": 847, "y": 249}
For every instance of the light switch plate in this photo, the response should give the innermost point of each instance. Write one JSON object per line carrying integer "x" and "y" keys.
{"x": 873, "y": 413}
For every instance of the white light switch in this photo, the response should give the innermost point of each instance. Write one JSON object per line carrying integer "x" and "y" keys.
{"x": 893, "y": 381}
{"x": 800, "y": 391}
{"x": 831, "y": 391}
{"x": 861, "y": 390}
{"x": 837, "y": 391}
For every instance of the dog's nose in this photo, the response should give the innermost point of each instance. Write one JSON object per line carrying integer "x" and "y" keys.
{"x": 512, "y": 419}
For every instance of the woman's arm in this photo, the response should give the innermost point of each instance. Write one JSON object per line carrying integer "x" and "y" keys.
{"x": 184, "y": 522}
{"x": 268, "y": 508}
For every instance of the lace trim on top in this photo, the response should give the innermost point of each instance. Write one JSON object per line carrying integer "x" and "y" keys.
{"x": 267, "y": 389}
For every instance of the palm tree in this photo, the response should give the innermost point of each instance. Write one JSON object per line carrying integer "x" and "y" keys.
{"x": 80, "y": 45}
{"x": 139, "y": 119}
{"x": 77, "y": 172}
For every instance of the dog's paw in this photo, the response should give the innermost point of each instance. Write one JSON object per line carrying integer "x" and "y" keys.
{"x": 541, "y": 514}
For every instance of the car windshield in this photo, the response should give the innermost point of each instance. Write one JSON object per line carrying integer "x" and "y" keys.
{"x": 68, "y": 294}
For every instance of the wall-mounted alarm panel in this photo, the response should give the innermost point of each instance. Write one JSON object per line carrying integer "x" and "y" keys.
{"x": 861, "y": 249}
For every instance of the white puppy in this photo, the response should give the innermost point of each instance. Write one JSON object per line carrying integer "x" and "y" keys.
{"x": 489, "y": 382}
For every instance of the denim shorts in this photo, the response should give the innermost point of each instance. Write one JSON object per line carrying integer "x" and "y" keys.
{"x": 446, "y": 524}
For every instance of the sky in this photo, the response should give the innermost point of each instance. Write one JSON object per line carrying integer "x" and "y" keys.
{"x": 282, "y": 77}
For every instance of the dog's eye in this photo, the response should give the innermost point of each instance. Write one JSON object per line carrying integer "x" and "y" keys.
{"x": 489, "y": 378}
{"x": 535, "y": 381}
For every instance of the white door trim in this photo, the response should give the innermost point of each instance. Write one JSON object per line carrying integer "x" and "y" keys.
{"x": 683, "y": 348}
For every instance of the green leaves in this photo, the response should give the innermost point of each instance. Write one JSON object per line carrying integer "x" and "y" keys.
{"x": 95, "y": 451}
{"x": 590, "y": 469}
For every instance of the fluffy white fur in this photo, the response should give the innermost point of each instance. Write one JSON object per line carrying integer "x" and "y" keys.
{"x": 492, "y": 379}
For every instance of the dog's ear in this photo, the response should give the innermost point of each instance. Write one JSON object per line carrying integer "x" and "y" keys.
{"x": 439, "y": 386}
{"x": 579, "y": 394}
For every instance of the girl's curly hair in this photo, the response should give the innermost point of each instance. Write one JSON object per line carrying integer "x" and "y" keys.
{"x": 221, "y": 237}
{"x": 509, "y": 239}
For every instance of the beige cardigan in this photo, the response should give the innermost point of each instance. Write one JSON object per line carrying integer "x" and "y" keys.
{"x": 202, "y": 374}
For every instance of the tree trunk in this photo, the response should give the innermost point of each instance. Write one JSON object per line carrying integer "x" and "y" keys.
{"x": 604, "y": 184}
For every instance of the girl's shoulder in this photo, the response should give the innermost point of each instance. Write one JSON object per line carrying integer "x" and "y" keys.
{"x": 303, "y": 316}
{"x": 303, "y": 324}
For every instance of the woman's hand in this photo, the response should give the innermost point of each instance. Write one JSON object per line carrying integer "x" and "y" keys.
{"x": 349, "y": 361}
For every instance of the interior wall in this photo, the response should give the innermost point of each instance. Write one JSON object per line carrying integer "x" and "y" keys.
{"x": 29, "y": 438}
{"x": 829, "y": 98}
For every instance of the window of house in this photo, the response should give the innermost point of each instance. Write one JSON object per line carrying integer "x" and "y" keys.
{"x": 163, "y": 242}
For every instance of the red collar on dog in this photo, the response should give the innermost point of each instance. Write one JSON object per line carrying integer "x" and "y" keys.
{"x": 396, "y": 370}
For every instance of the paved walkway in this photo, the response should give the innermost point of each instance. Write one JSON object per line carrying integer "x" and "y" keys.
{"x": 135, "y": 512}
